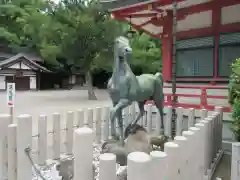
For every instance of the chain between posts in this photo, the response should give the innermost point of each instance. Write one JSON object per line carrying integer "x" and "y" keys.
{"x": 38, "y": 172}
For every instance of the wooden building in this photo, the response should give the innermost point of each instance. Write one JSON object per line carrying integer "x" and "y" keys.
{"x": 22, "y": 69}
{"x": 208, "y": 34}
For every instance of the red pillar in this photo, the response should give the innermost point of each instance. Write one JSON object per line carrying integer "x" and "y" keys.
{"x": 216, "y": 23}
{"x": 167, "y": 49}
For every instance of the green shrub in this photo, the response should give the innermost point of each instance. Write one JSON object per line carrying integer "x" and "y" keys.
{"x": 234, "y": 98}
{"x": 236, "y": 120}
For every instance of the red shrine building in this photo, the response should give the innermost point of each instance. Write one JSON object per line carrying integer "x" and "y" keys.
{"x": 208, "y": 34}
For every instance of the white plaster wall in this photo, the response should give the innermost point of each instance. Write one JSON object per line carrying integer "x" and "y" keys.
{"x": 230, "y": 14}
{"x": 153, "y": 29}
{"x": 15, "y": 66}
{"x": 33, "y": 82}
{"x": 12, "y": 72}
{"x": 23, "y": 66}
{"x": 195, "y": 21}
{"x": 2, "y": 83}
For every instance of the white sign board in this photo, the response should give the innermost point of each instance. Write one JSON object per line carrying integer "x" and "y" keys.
{"x": 10, "y": 94}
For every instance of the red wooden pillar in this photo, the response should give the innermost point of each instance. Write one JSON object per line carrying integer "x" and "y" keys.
{"x": 216, "y": 23}
{"x": 167, "y": 48}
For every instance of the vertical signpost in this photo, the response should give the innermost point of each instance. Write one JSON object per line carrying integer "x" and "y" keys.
{"x": 11, "y": 98}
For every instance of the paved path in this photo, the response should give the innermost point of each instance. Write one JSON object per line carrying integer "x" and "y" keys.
{"x": 224, "y": 168}
{"x": 48, "y": 102}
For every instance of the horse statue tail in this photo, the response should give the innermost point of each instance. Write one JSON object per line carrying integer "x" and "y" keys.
{"x": 159, "y": 75}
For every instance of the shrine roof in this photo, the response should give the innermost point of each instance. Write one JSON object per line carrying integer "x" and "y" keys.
{"x": 151, "y": 16}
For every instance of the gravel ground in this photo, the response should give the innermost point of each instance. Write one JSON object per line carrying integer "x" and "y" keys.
{"x": 224, "y": 168}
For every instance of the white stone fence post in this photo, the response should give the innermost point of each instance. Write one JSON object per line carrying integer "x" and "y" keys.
{"x": 193, "y": 154}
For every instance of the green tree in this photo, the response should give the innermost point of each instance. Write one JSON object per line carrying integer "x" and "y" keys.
{"x": 146, "y": 53}
{"x": 87, "y": 36}
{"x": 234, "y": 98}
{"x": 26, "y": 27}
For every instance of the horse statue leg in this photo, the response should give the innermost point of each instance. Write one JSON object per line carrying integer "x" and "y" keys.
{"x": 117, "y": 109}
{"x": 120, "y": 125}
{"x": 113, "y": 124}
{"x": 131, "y": 125}
{"x": 159, "y": 105}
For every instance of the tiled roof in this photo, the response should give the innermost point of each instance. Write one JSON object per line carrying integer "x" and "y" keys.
{"x": 21, "y": 55}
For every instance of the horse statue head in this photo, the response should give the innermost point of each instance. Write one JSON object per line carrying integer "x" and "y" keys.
{"x": 122, "y": 47}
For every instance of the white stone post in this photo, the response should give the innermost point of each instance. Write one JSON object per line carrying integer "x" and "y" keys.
{"x": 183, "y": 146}
{"x": 215, "y": 142}
{"x": 12, "y": 154}
{"x": 195, "y": 148}
{"x": 106, "y": 113}
{"x": 69, "y": 133}
{"x": 206, "y": 142}
{"x": 235, "y": 167}
{"x": 80, "y": 118}
{"x": 202, "y": 140}
{"x": 42, "y": 139}
{"x": 5, "y": 120}
{"x": 56, "y": 135}
{"x": 24, "y": 140}
{"x": 210, "y": 139}
{"x": 89, "y": 118}
{"x": 138, "y": 166}
{"x": 168, "y": 122}
{"x": 204, "y": 113}
{"x": 149, "y": 118}
{"x": 220, "y": 127}
{"x": 189, "y": 154}
{"x": 159, "y": 161}
{"x": 98, "y": 122}
{"x": 179, "y": 125}
{"x": 158, "y": 123}
{"x": 212, "y": 149}
{"x": 172, "y": 150}
{"x": 191, "y": 117}
{"x": 107, "y": 167}
{"x": 83, "y": 153}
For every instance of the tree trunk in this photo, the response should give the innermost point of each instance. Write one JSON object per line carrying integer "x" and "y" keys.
{"x": 91, "y": 94}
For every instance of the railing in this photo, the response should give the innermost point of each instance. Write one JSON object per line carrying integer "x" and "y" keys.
{"x": 203, "y": 96}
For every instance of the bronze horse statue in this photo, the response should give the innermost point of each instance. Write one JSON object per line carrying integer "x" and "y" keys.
{"x": 124, "y": 88}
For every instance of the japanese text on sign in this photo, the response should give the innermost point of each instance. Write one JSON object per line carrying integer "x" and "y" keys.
{"x": 10, "y": 94}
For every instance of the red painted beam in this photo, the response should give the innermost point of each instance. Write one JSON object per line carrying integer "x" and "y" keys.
{"x": 143, "y": 7}
{"x": 139, "y": 15}
{"x": 233, "y": 27}
{"x": 203, "y": 32}
{"x": 181, "y": 13}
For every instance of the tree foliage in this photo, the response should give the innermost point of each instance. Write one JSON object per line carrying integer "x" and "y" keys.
{"x": 72, "y": 35}
{"x": 234, "y": 98}
{"x": 146, "y": 53}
